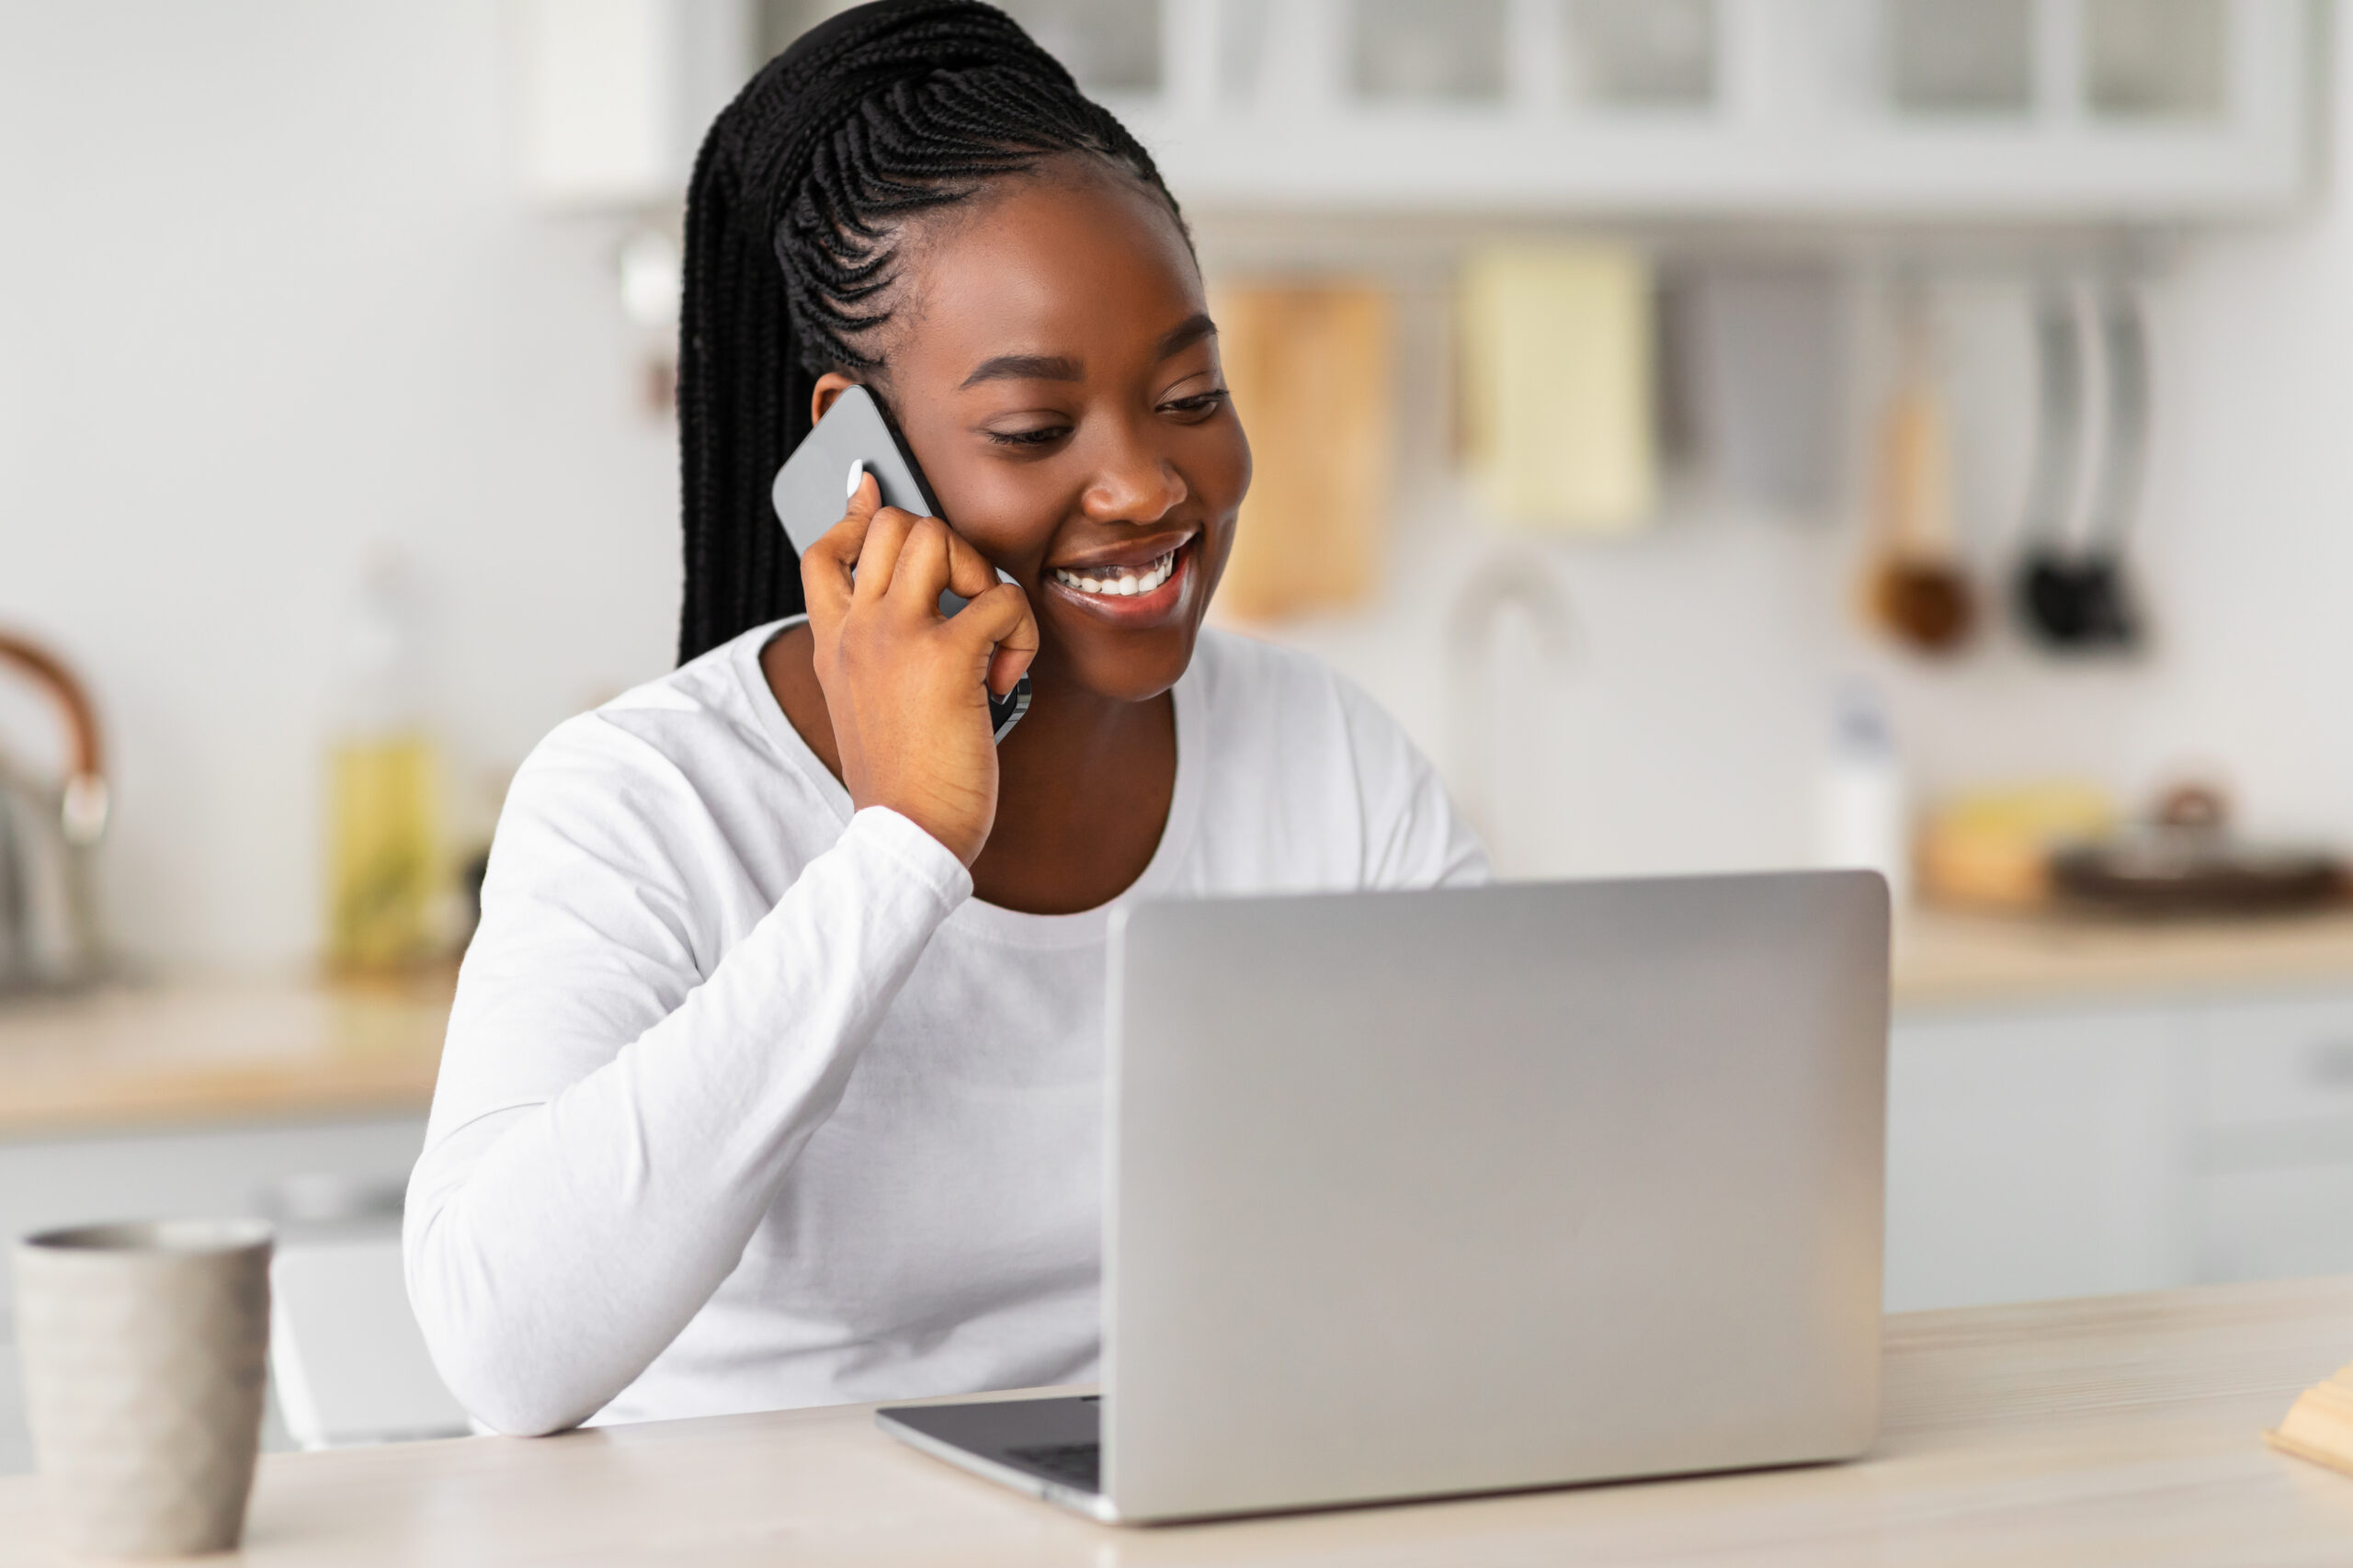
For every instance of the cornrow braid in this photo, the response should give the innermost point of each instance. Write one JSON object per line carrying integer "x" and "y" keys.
{"x": 799, "y": 198}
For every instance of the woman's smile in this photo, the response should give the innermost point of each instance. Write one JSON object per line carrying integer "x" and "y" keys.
{"x": 1143, "y": 584}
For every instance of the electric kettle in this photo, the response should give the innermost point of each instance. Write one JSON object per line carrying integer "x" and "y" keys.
{"x": 50, "y": 830}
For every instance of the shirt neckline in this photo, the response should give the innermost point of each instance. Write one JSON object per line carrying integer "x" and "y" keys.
{"x": 995, "y": 921}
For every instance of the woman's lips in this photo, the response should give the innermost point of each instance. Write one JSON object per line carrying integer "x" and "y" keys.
{"x": 1119, "y": 594}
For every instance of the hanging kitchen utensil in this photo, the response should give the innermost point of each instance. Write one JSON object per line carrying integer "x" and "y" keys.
{"x": 1521, "y": 580}
{"x": 2074, "y": 598}
{"x": 1766, "y": 356}
{"x": 1917, "y": 590}
{"x": 2046, "y": 563}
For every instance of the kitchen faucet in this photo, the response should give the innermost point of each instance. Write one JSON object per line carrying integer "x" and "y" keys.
{"x": 1516, "y": 580}
{"x": 48, "y": 838}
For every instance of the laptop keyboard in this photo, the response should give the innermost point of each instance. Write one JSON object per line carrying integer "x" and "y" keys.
{"x": 1073, "y": 1464}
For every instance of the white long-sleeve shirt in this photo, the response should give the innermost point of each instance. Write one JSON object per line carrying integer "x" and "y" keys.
{"x": 748, "y": 1104}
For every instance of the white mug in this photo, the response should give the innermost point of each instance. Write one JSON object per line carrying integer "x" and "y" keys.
{"x": 143, "y": 1349}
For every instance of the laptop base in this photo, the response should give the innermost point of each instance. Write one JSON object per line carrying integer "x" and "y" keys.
{"x": 1050, "y": 1449}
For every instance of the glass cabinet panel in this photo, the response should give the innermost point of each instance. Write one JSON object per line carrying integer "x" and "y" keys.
{"x": 1427, "y": 51}
{"x": 1960, "y": 56}
{"x": 779, "y": 22}
{"x": 2155, "y": 59}
{"x": 1112, "y": 46}
{"x": 1642, "y": 53}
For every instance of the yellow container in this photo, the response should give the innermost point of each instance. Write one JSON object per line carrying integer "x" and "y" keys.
{"x": 1991, "y": 849}
{"x": 385, "y": 870}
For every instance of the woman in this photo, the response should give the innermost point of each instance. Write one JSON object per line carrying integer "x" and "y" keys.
{"x": 775, "y": 1072}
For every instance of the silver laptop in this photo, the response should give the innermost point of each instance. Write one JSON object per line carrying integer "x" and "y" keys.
{"x": 1413, "y": 1194}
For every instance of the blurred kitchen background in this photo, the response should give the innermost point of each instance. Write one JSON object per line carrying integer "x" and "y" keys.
{"x": 1728, "y": 434}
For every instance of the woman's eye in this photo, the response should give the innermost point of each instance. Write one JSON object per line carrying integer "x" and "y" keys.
{"x": 1044, "y": 435}
{"x": 1198, "y": 404}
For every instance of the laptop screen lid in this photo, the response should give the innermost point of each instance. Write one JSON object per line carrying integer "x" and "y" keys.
{"x": 1429, "y": 1192}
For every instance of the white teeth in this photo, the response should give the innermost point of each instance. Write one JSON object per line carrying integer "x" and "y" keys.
{"x": 1123, "y": 586}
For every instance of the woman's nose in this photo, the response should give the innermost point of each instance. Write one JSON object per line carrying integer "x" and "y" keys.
{"x": 1136, "y": 483}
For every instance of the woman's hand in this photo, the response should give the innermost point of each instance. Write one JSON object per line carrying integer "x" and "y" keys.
{"x": 902, "y": 684}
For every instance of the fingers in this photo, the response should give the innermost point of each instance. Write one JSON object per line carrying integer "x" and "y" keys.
{"x": 970, "y": 572}
{"x": 999, "y": 630}
{"x": 933, "y": 558}
{"x": 879, "y": 555}
{"x": 921, "y": 570}
{"x": 826, "y": 567}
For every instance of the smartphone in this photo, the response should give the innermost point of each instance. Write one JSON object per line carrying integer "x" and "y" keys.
{"x": 855, "y": 438}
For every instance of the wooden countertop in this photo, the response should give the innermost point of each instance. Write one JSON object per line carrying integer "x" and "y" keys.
{"x": 2124, "y": 1429}
{"x": 223, "y": 1051}
{"x": 1945, "y": 959}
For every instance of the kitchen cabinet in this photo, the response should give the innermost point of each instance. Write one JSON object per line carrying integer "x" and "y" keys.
{"x": 188, "y": 1171}
{"x": 192, "y": 1172}
{"x": 1992, "y": 110}
{"x": 2269, "y": 1149}
{"x": 2074, "y": 110}
{"x": 2280, "y": 1222}
{"x": 2033, "y": 1154}
{"x": 198, "y": 1100}
{"x": 2079, "y": 1148}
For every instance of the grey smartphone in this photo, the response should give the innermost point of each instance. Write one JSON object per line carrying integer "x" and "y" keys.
{"x": 856, "y": 438}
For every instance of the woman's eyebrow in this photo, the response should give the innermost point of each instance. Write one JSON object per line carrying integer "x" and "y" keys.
{"x": 1184, "y": 335}
{"x": 1025, "y": 368}
{"x": 1061, "y": 368}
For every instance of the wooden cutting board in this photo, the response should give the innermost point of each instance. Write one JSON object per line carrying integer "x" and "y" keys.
{"x": 1310, "y": 365}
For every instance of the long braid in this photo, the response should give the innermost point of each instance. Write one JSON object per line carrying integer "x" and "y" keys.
{"x": 799, "y": 198}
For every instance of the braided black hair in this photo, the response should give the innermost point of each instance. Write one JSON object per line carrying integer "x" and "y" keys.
{"x": 799, "y": 197}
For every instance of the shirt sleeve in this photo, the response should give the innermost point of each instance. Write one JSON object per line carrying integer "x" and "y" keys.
{"x": 1412, "y": 836}
{"x": 617, "y": 1108}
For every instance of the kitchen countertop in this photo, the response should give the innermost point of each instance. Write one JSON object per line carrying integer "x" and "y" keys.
{"x": 219, "y": 1050}
{"x": 226, "y": 1051}
{"x": 2120, "y": 1429}
{"x": 1944, "y": 958}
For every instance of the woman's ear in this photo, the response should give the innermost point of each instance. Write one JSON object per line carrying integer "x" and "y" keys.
{"x": 830, "y": 385}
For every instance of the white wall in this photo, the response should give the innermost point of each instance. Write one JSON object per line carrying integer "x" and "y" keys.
{"x": 265, "y": 298}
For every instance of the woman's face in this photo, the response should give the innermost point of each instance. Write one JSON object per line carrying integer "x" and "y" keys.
{"x": 1052, "y": 362}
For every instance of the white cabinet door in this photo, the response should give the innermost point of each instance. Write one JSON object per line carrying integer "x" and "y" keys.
{"x": 2035, "y": 1155}
{"x": 2274, "y": 1224}
{"x": 178, "y": 1173}
{"x": 2267, "y": 1063}
{"x": 2271, "y": 1149}
{"x": 170, "y": 1174}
